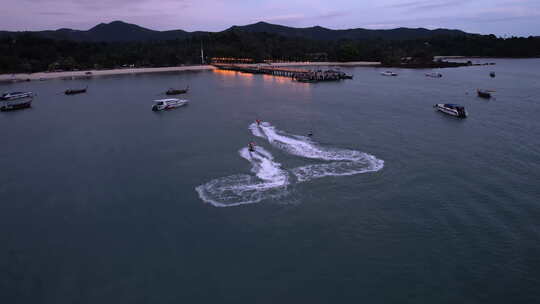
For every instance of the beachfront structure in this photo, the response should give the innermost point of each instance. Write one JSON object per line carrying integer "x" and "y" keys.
{"x": 294, "y": 73}
{"x": 230, "y": 60}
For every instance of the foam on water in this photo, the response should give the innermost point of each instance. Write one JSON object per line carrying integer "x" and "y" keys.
{"x": 344, "y": 168}
{"x": 345, "y": 162}
{"x": 255, "y": 130}
{"x": 270, "y": 181}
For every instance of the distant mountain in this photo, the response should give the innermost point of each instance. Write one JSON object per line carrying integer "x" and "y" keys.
{"x": 118, "y": 31}
{"x": 321, "y": 33}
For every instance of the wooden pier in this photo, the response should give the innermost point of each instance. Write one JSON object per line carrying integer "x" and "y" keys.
{"x": 302, "y": 75}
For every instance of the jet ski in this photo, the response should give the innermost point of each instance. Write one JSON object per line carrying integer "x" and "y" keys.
{"x": 251, "y": 147}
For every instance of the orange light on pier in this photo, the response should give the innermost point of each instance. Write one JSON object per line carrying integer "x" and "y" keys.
{"x": 225, "y": 72}
{"x": 231, "y": 60}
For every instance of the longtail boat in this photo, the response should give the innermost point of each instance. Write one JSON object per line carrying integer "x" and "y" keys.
{"x": 75, "y": 91}
{"x": 484, "y": 93}
{"x": 172, "y": 91}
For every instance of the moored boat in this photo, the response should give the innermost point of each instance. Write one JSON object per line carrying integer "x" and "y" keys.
{"x": 75, "y": 91}
{"x": 167, "y": 104}
{"x": 451, "y": 109}
{"x": 16, "y": 103}
{"x": 483, "y": 93}
{"x": 389, "y": 73}
{"x": 172, "y": 91}
{"x": 492, "y": 74}
{"x": 434, "y": 75}
{"x": 16, "y": 95}
{"x": 306, "y": 80}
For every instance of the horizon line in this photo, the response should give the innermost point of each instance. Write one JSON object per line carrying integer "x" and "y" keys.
{"x": 235, "y": 25}
{"x": 275, "y": 24}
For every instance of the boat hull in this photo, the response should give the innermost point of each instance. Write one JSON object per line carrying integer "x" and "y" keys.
{"x": 15, "y": 105}
{"x": 449, "y": 111}
{"x": 485, "y": 95}
{"x": 166, "y": 108}
{"x": 306, "y": 80}
{"x": 168, "y": 104}
{"x": 176, "y": 92}
{"x": 73, "y": 92}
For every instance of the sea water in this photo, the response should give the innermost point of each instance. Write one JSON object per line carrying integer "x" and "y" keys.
{"x": 104, "y": 201}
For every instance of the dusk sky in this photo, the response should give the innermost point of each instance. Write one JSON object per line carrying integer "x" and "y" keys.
{"x": 500, "y": 17}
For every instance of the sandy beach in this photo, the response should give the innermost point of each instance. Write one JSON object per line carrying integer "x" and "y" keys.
{"x": 70, "y": 74}
{"x": 76, "y": 74}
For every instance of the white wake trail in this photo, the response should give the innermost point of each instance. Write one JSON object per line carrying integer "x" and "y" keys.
{"x": 342, "y": 162}
{"x": 270, "y": 181}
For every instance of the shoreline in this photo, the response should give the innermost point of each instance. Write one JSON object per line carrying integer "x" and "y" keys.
{"x": 82, "y": 74}
{"x": 21, "y": 77}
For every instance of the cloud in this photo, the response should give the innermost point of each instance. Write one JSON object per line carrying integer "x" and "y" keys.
{"x": 54, "y": 13}
{"x": 302, "y": 18}
{"x": 285, "y": 18}
{"x": 381, "y": 25}
{"x": 428, "y": 4}
{"x": 334, "y": 14}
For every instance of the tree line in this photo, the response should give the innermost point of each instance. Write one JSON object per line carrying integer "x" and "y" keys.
{"x": 30, "y": 53}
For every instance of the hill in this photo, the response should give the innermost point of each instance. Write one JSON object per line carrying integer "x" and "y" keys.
{"x": 321, "y": 33}
{"x": 118, "y": 31}
{"x": 120, "y": 44}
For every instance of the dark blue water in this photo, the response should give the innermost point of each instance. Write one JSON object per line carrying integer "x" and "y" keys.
{"x": 98, "y": 200}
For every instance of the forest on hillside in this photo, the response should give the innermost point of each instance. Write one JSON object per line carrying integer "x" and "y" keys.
{"x": 30, "y": 53}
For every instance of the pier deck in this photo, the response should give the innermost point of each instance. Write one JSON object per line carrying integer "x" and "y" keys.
{"x": 295, "y": 73}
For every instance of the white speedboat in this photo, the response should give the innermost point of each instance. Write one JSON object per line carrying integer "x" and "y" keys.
{"x": 16, "y": 95}
{"x": 389, "y": 73}
{"x": 167, "y": 104}
{"x": 451, "y": 109}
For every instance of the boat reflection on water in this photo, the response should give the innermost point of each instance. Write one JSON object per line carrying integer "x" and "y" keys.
{"x": 286, "y": 87}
